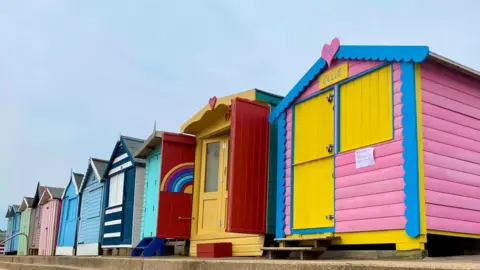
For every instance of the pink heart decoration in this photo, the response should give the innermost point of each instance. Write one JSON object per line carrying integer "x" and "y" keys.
{"x": 329, "y": 51}
{"x": 212, "y": 102}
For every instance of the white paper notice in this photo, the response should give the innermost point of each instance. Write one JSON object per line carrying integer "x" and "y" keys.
{"x": 364, "y": 157}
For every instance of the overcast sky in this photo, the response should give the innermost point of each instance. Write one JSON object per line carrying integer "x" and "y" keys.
{"x": 76, "y": 74}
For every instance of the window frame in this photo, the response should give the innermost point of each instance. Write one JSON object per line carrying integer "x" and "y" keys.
{"x": 337, "y": 107}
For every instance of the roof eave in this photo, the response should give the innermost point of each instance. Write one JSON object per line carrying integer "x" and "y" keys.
{"x": 149, "y": 144}
{"x": 454, "y": 65}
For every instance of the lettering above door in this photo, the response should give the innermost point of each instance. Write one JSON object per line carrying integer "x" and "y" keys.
{"x": 333, "y": 76}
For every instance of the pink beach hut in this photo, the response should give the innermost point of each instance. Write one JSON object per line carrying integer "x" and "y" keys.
{"x": 51, "y": 204}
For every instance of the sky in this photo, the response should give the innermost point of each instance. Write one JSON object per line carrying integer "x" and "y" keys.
{"x": 76, "y": 74}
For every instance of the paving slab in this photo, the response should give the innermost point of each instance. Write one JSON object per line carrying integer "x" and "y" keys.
{"x": 189, "y": 263}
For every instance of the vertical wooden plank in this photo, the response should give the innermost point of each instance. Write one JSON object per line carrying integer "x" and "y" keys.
{"x": 248, "y": 168}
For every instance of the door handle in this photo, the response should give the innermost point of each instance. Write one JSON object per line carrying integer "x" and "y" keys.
{"x": 330, "y": 217}
{"x": 330, "y": 148}
{"x": 185, "y": 218}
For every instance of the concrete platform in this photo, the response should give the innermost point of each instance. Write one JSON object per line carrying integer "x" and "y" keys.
{"x": 185, "y": 263}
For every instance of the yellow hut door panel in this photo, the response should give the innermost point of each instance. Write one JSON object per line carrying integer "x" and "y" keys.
{"x": 313, "y": 183}
{"x": 213, "y": 197}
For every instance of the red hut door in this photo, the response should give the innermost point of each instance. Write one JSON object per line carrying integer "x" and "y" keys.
{"x": 248, "y": 167}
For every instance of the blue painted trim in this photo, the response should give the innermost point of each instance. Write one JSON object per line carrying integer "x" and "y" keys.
{"x": 292, "y": 158}
{"x": 281, "y": 133}
{"x": 416, "y": 54}
{"x": 336, "y": 119}
{"x": 314, "y": 230}
{"x": 410, "y": 153}
{"x": 393, "y": 102}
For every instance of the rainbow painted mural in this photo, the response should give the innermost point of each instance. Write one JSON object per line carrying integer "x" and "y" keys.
{"x": 179, "y": 179}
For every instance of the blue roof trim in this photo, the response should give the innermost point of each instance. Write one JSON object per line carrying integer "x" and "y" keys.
{"x": 415, "y": 54}
{"x": 281, "y": 133}
{"x": 410, "y": 153}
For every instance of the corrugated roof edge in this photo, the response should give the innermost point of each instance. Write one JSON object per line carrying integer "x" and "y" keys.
{"x": 351, "y": 52}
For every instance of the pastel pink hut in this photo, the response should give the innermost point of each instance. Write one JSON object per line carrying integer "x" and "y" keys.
{"x": 379, "y": 145}
{"x": 51, "y": 205}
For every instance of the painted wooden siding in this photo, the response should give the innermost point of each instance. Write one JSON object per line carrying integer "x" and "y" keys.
{"x": 151, "y": 195}
{"x": 138, "y": 205}
{"x": 26, "y": 218}
{"x": 361, "y": 196}
{"x": 451, "y": 141}
{"x": 37, "y": 227}
{"x": 8, "y": 245}
{"x": 48, "y": 230}
{"x": 372, "y": 198}
{"x": 91, "y": 212}
{"x": 69, "y": 217}
{"x": 15, "y": 229}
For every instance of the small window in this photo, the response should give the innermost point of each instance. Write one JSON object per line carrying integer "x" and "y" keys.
{"x": 115, "y": 196}
{"x": 366, "y": 113}
{"x": 212, "y": 166}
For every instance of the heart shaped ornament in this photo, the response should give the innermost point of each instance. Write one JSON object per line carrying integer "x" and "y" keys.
{"x": 329, "y": 50}
{"x": 212, "y": 102}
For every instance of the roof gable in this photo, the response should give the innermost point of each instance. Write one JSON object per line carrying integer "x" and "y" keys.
{"x": 38, "y": 193}
{"x": 51, "y": 193}
{"x": 27, "y": 202}
{"x": 12, "y": 210}
{"x": 96, "y": 166}
{"x": 75, "y": 180}
{"x": 130, "y": 145}
{"x": 350, "y": 52}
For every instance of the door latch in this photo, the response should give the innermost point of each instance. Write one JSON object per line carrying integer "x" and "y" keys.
{"x": 330, "y": 148}
{"x": 330, "y": 217}
{"x": 330, "y": 98}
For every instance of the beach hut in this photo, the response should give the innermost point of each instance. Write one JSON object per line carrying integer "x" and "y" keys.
{"x": 235, "y": 174}
{"x": 124, "y": 182}
{"x": 51, "y": 204}
{"x": 67, "y": 232}
{"x": 167, "y": 205}
{"x": 379, "y": 145}
{"x": 13, "y": 228}
{"x": 34, "y": 243}
{"x": 3, "y": 234}
{"x": 91, "y": 209}
{"x": 26, "y": 225}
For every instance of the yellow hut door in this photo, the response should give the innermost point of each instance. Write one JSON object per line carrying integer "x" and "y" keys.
{"x": 313, "y": 182}
{"x": 213, "y": 182}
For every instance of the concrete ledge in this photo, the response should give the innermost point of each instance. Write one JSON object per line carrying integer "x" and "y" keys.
{"x": 185, "y": 263}
{"x": 375, "y": 254}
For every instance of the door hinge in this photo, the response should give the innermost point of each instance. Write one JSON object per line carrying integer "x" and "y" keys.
{"x": 220, "y": 223}
{"x": 330, "y": 98}
{"x": 330, "y": 217}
